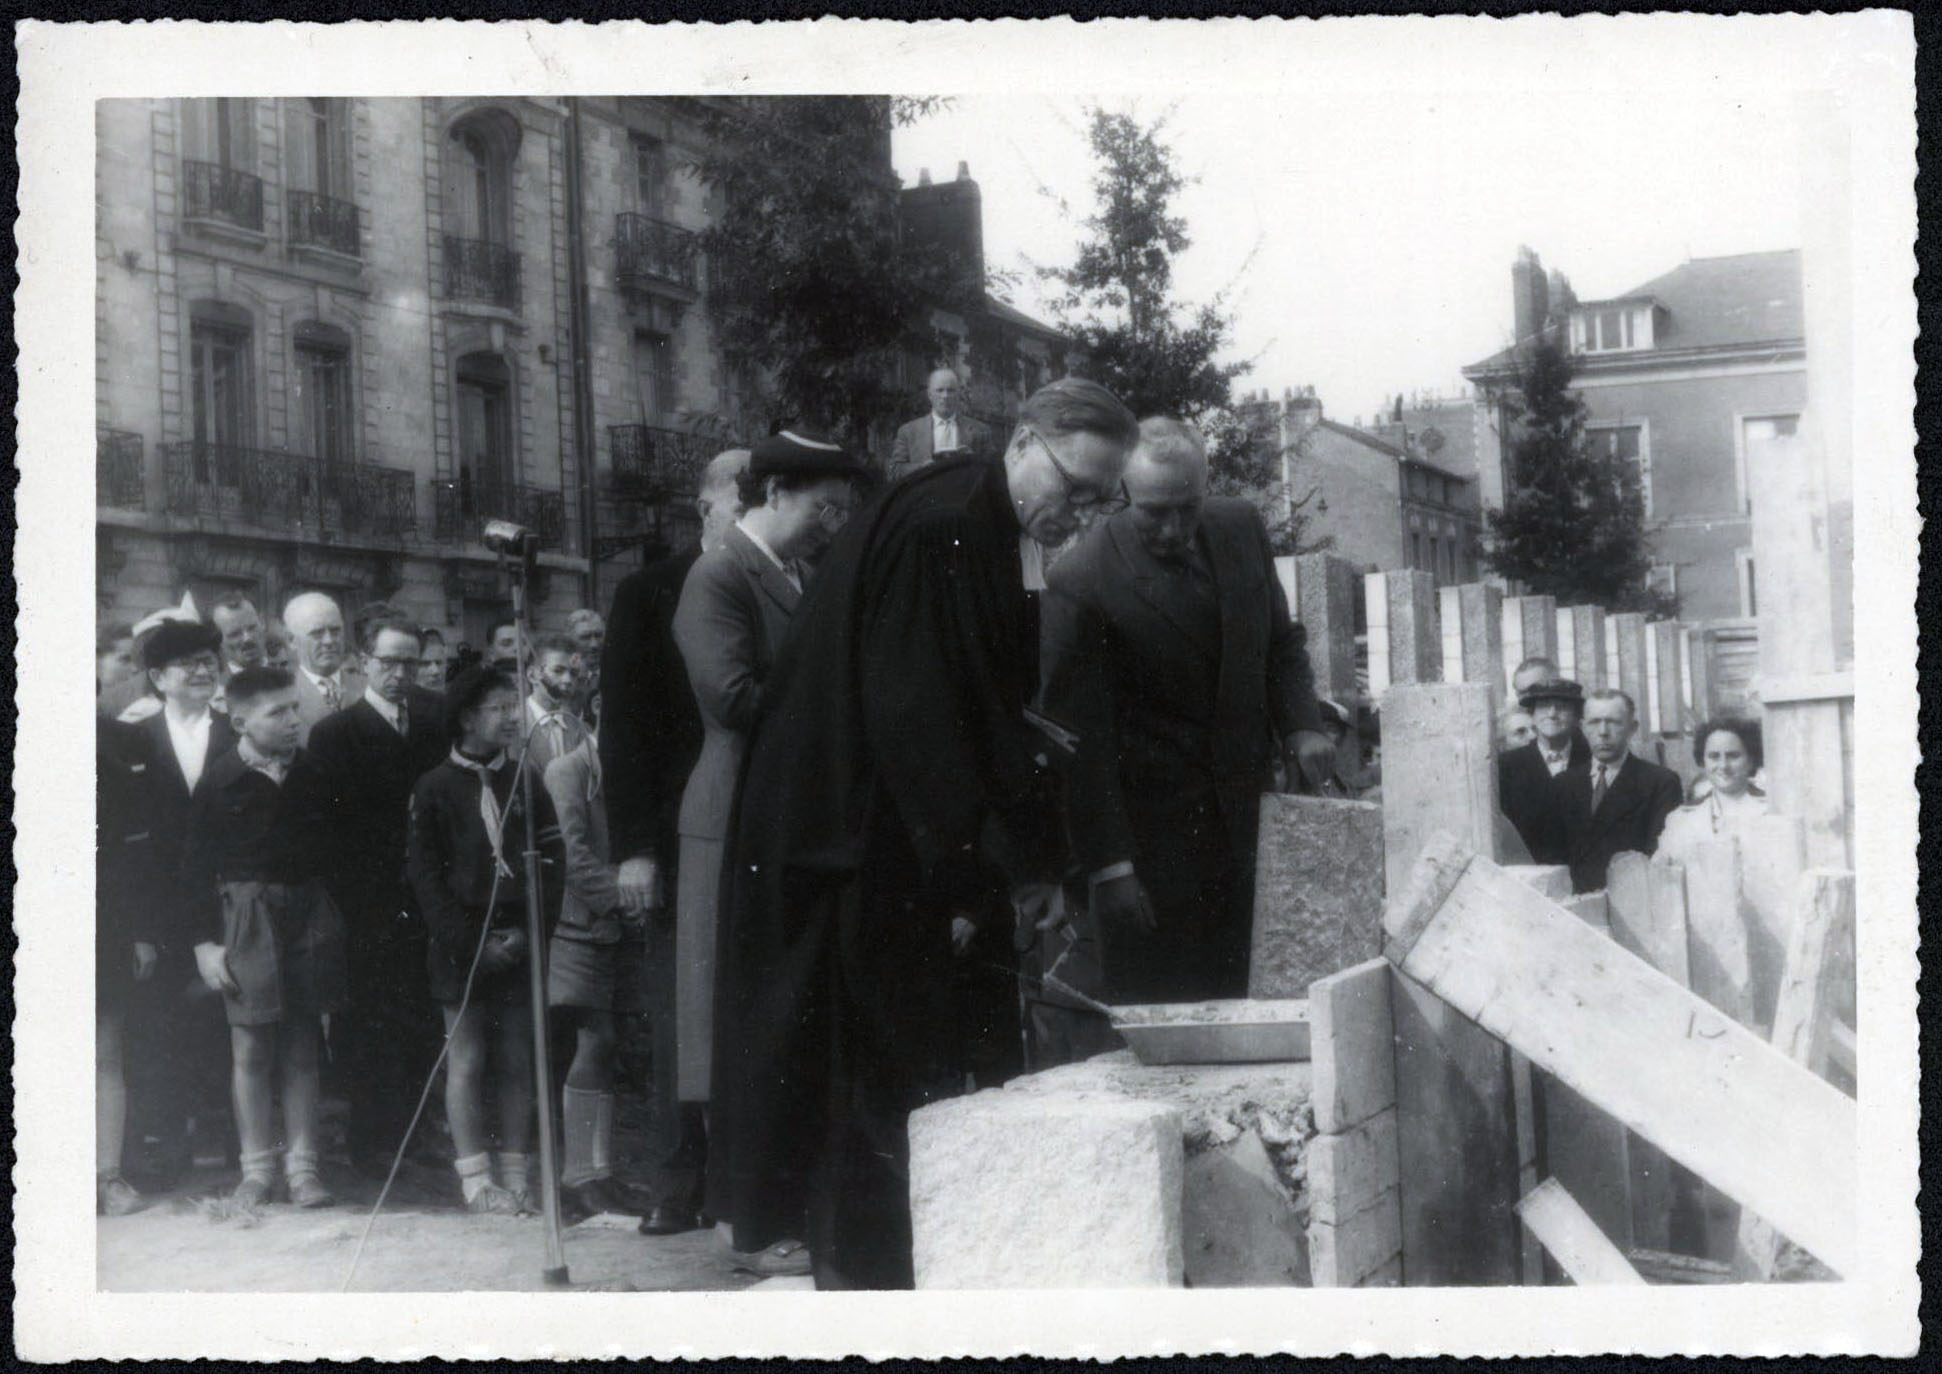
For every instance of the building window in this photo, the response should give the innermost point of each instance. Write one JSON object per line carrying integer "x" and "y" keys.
{"x": 1743, "y": 564}
{"x": 654, "y": 375}
{"x": 1415, "y": 550}
{"x": 221, "y": 131}
{"x": 319, "y": 147}
{"x": 480, "y": 264}
{"x": 1759, "y": 429}
{"x": 222, "y": 401}
{"x": 1627, "y": 443}
{"x": 1613, "y": 328}
{"x": 651, "y": 175}
{"x": 321, "y": 381}
{"x": 485, "y": 436}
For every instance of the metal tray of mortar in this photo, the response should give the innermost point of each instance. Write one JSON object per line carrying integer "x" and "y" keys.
{"x": 1236, "y": 1031}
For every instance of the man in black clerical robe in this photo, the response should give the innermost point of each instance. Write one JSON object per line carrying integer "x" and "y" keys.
{"x": 893, "y": 804}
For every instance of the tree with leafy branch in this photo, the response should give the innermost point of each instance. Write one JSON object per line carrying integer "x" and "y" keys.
{"x": 1157, "y": 353}
{"x": 812, "y": 291}
{"x": 1573, "y": 521}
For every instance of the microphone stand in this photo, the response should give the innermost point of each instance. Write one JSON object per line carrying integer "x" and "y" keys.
{"x": 554, "y": 1275}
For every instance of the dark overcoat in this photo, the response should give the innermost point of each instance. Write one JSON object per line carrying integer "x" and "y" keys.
{"x": 1631, "y": 817}
{"x": 650, "y": 729}
{"x": 889, "y": 772}
{"x": 1180, "y": 683}
{"x": 1527, "y": 795}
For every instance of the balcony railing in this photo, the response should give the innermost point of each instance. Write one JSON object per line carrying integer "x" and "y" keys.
{"x": 212, "y": 191}
{"x": 323, "y": 222}
{"x": 118, "y": 469}
{"x": 290, "y": 491}
{"x": 479, "y": 270}
{"x": 649, "y": 461}
{"x": 652, "y": 251}
{"x": 462, "y": 507}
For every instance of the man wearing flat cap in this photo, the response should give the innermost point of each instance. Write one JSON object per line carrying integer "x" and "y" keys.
{"x": 1527, "y": 776}
{"x": 894, "y": 809}
{"x": 797, "y": 492}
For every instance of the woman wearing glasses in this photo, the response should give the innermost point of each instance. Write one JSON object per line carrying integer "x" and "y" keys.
{"x": 735, "y": 608}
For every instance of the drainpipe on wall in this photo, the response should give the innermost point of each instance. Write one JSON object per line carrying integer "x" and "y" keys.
{"x": 577, "y": 313}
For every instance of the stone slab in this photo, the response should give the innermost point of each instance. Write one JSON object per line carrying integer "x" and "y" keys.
{"x": 1349, "y": 1171}
{"x": 1240, "y": 1228}
{"x": 1326, "y": 590}
{"x": 1317, "y": 892}
{"x": 1364, "y": 1252}
{"x": 1439, "y": 771}
{"x": 1353, "y": 1045}
{"x": 1553, "y": 880}
{"x": 1045, "y": 1190}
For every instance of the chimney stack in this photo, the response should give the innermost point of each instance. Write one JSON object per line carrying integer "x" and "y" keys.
{"x": 1529, "y": 295}
{"x": 964, "y": 170}
{"x": 923, "y": 176}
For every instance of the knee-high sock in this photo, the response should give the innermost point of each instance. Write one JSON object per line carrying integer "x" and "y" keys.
{"x": 583, "y": 1113}
{"x": 515, "y": 1171}
{"x": 475, "y": 1172}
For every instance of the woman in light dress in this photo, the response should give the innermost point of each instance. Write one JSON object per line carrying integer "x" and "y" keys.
{"x": 1728, "y": 753}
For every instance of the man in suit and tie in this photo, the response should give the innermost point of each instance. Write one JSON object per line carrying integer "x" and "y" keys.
{"x": 1526, "y": 776}
{"x": 1168, "y": 648}
{"x": 177, "y": 1038}
{"x": 1616, "y": 801}
{"x": 650, "y": 737}
{"x": 326, "y": 682}
{"x": 370, "y": 754}
{"x": 944, "y": 431}
{"x": 553, "y": 725}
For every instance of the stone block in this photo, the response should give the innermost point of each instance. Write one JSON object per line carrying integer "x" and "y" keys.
{"x": 1473, "y": 637}
{"x": 1350, "y": 1171}
{"x": 1626, "y": 670}
{"x": 1325, "y": 604}
{"x": 1439, "y": 772}
{"x": 1045, "y": 1190}
{"x": 1362, "y": 1252}
{"x": 1415, "y": 638}
{"x": 1353, "y": 1045}
{"x": 1586, "y": 626}
{"x": 1240, "y": 1226}
{"x": 1317, "y": 892}
{"x": 1530, "y": 631}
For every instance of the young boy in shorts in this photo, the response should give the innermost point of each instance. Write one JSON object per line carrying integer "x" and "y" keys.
{"x": 596, "y": 972}
{"x": 271, "y": 941}
{"x": 464, "y": 855}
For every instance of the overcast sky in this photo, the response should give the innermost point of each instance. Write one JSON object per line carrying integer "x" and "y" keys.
{"x": 1366, "y": 240}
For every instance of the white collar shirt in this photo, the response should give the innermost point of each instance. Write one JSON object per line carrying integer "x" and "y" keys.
{"x": 394, "y": 716}
{"x": 944, "y": 433}
{"x": 330, "y": 686}
{"x": 190, "y": 740}
{"x": 787, "y": 570}
{"x": 1556, "y": 760}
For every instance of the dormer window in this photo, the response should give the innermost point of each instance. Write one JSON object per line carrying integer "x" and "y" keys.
{"x": 1612, "y": 327}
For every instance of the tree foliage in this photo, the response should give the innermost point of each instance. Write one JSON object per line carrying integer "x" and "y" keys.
{"x": 811, "y": 289}
{"x": 1573, "y": 520}
{"x": 1159, "y": 354}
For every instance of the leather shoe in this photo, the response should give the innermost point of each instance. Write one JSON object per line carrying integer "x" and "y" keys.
{"x": 578, "y": 1201}
{"x": 667, "y": 1219}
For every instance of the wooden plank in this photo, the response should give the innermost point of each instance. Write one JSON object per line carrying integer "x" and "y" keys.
{"x": 1357, "y": 1253}
{"x": 1525, "y": 1109}
{"x": 1662, "y": 1266}
{"x": 1593, "y": 908}
{"x": 1352, "y": 1046}
{"x": 1773, "y": 854}
{"x": 1716, "y": 935}
{"x": 1348, "y": 1172}
{"x": 1669, "y": 714}
{"x": 1553, "y": 880}
{"x": 1584, "y": 1252}
{"x": 1703, "y": 1088}
{"x": 1646, "y": 902}
{"x": 1586, "y": 1150}
{"x": 1375, "y": 603}
{"x": 1456, "y": 1145}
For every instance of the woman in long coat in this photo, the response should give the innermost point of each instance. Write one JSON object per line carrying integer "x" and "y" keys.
{"x": 734, "y": 613}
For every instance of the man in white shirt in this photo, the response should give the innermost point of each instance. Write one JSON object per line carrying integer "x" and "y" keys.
{"x": 943, "y": 433}
{"x": 553, "y": 683}
{"x": 326, "y": 681}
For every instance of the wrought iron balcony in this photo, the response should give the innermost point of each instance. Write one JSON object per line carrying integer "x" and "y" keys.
{"x": 323, "y": 222}
{"x": 289, "y": 491}
{"x": 479, "y": 270}
{"x": 212, "y": 191}
{"x": 462, "y": 507}
{"x": 118, "y": 469}
{"x": 652, "y": 252}
{"x": 649, "y": 461}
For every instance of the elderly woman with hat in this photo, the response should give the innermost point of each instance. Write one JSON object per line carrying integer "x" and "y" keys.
{"x": 798, "y": 491}
{"x": 1526, "y": 775}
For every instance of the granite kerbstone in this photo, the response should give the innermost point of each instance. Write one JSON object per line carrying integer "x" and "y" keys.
{"x": 1318, "y": 886}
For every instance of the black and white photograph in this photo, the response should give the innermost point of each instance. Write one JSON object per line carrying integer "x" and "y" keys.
{"x": 1032, "y": 681}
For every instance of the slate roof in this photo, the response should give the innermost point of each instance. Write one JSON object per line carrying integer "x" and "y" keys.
{"x": 1739, "y": 301}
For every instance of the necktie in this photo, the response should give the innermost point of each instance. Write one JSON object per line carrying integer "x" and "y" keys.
{"x": 488, "y": 806}
{"x": 330, "y": 693}
{"x": 1599, "y": 783}
{"x": 404, "y": 723}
